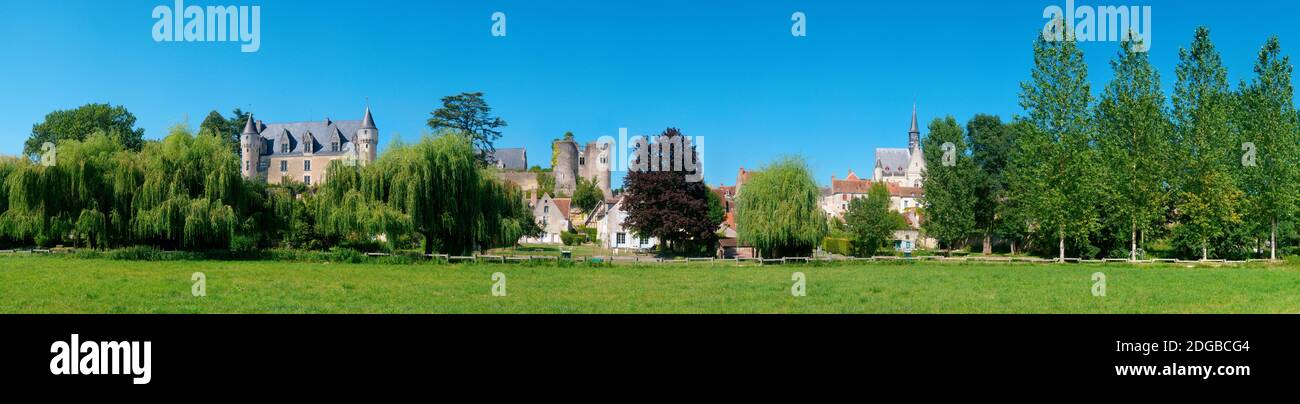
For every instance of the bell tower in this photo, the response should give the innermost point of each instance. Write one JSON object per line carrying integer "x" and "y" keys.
{"x": 914, "y": 134}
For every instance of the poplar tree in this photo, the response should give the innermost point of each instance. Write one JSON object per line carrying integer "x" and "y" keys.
{"x": 1133, "y": 132}
{"x": 1267, "y": 119}
{"x": 1207, "y": 195}
{"x": 1053, "y": 173}
{"x": 949, "y": 182}
{"x": 991, "y": 142}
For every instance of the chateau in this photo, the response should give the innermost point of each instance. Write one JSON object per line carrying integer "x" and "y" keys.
{"x": 301, "y": 151}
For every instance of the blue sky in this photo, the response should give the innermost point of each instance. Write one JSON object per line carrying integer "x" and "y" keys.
{"x": 727, "y": 70}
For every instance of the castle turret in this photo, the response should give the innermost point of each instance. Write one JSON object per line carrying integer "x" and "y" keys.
{"x": 367, "y": 139}
{"x": 250, "y": 146}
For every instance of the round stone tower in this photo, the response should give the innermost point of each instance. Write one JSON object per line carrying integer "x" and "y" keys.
{"x": 367, "y": 139}
{"x": 250, "y": 146}
{"x": 566, "y": 166}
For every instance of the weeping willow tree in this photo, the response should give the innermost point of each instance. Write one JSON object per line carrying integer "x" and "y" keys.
{"x": 182, "y": 192}
{"x": 349, "y": 206}
{"x": 83, "y": 198}
{"x": 778, "y": 210}
{"x": 433, "y": 189}
{"x": 189, "y": 192}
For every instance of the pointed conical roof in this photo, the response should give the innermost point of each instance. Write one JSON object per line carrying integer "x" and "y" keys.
{"x": 914, "y": 127}
{"x": 249, "y": 127}
{"x": 368, "y": 122}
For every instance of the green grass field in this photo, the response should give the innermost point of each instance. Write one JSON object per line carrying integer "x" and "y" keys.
{"x": 53, "y": 284}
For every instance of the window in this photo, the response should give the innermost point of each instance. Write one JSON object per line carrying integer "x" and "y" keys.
{"x": 582, "y": 160}
{"x": 644, "y": 240}
{"x": 306, "y": 165}
{"x": 247, "y": 164}
{"x": 284, "y": 147}
{"x": 334, "y": 146}
{"x": 284, "y": 166}
{"x": 621, "y": 238}
{"x": 546, "y": 209}
{"x": 306, "y": 179}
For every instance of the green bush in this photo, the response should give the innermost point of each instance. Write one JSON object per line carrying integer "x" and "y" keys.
{"x": 570, "y": 238}
{"x": 150, "y": 253}
{"x": 588, "y": 233}
{"x": 841, "y": 246}
{"x": 347, "y": 255}
{"x": 243, "y": 244}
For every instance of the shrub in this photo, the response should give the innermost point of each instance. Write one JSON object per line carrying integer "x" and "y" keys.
{"x": 347, "y": 255}
{"x": 243, "y": 244}
{"x": 570, "y": 238}
{"x": 150, "y": 253}
{"x": 840, "y": 246}
{"x": 589, "y": 233}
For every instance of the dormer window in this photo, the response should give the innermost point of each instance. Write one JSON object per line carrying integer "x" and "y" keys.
{"x": 336, "y": 141}
{"x": 284, "y": 147}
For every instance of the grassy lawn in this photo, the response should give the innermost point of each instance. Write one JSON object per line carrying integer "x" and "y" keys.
{"x": 585, "y": 250}
{"x": 54, "y": 284}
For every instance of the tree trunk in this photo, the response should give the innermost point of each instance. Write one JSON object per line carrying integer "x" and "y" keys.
{"x": 988, "y": 243}
{"x": 1013, "y": 247}
{"x": 1133, "y": 241}
{"x": 428, "y": 243}
{"x": 1062, "y": 245}
{"x": 1205, "y": 250}
{"x": 1272, "y": 244}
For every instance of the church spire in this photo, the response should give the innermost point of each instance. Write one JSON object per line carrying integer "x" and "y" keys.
{"x": 914, "y": 134}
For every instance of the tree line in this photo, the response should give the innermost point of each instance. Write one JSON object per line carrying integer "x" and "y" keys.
{"x": 1207, "y": 172}
{"x": 108, "y": 188}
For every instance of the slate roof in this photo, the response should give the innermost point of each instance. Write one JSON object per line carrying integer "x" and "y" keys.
{"x": 513, "y": 159}
{"x": 322, "y": 131}
{"x": 893, "y": 161}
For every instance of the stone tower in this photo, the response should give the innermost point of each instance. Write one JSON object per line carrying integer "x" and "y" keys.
{"x": 595, "y": 163}
{"x": 250, "y": 145}
{"x": 367, "y": 139}
{"x": 566, "y": 166}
